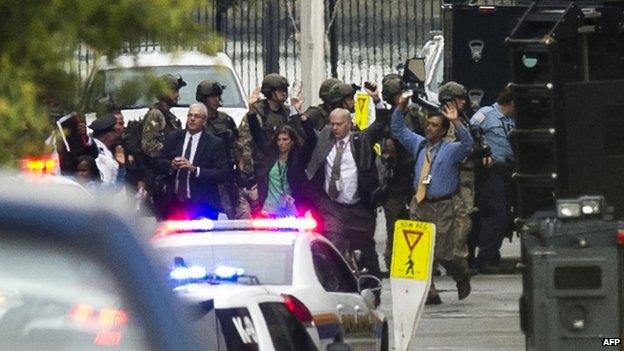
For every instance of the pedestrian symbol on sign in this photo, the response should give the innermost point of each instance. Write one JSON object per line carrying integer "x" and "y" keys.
{"x": 412, "y": 240}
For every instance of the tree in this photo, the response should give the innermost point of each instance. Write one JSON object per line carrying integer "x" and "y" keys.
{"x": 38, "y": 44}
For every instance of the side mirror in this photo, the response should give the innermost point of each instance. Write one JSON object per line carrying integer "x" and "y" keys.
{"x": 369, "y": 298}
{"x": 338, "y": 345}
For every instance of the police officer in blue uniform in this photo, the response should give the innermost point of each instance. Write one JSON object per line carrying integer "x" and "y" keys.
{"x": 493, "y": 183}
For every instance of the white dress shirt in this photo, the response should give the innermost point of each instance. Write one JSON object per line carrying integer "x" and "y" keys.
{"x": 106, "y": 163}
{"x": 194, "y": 144}
{"x": 347, "y": 194}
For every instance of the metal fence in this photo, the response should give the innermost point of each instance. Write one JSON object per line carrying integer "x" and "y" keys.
{"x": 365, "y": 39}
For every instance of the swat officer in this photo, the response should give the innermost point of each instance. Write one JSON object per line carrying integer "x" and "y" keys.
{"x": 397, "y": 163}
{"x": 222, "y": 125}
{"x": 272, "y": 114}
{"x": 463, "y": 202}
{"x": 158, "y": 122}
{"x": 494, "y": 180}
{"x": 341, "y": 95}
{"x": 319, "y": 115}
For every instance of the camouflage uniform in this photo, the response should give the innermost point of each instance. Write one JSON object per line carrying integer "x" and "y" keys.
{"x": 233, "y": 200}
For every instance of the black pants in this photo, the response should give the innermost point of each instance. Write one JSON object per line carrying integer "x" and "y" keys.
{"x": 351, "y": 227}
{"x": 492, "y": 198}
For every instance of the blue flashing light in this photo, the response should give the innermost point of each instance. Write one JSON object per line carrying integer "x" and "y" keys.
{"x": 228, "y": 273}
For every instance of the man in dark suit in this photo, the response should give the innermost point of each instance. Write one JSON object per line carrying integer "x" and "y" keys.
{"x": 343, "y": 172}
{"x": 196, "y": 163}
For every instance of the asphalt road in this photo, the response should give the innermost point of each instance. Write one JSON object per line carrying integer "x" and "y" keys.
{"x": 487, "y": 320}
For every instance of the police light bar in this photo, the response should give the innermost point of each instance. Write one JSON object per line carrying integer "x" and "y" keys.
{"x": 38, "y": 166}
{"x": 206, "y": 225}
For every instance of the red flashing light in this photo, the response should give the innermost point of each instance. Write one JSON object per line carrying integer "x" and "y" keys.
{"x": 38, "y": 165}
{"x": 104, "y": 318}
{"x": 297, "y": 308}
{"x": 173, "y": 227}
{"x": 620, "y": 237}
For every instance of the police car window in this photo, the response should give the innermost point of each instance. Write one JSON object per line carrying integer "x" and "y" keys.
{"x": 124, "y": 79}
{"x": 53, "y": 298}
{"x": 271, "y": 264}
{"x": 333, "y": 274}
{"x": 287, "y": 333}
{"x": 226, "y": 329}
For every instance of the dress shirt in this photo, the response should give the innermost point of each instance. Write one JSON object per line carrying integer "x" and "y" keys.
{"x": 106, "y": 163}
{"x": 496, "y": 128}
{"x": 348, "y": 173}
{"x": 446, "y": 156}
{"x": 193, "y": 151}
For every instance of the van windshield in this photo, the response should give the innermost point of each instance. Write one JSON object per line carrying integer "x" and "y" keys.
{"x": 122, "y": 78}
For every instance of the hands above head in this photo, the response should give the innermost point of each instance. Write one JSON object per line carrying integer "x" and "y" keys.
{"x": 403, "y": 101}
{"x": 371, "y": 89}
{"x": 297, "y": 102}
{"x": 450, "y": 112}
{"x": 255, "y": 95}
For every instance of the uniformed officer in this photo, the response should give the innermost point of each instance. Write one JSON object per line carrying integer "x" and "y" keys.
{"x": 463, "y": 202}
{"x": 397, "y": 162}
{"x": 341, "y": 95}
{"x": 221, "y": 124}
{"x": 494, "y": 180}
{"x": 272, "y": 113}
{"x": 158, "y": 122}
{"x": 320, "y": 114}
{"x": 110, "y": 160}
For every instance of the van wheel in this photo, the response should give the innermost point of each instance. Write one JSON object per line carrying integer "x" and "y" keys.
{"x": 384, "y": 338}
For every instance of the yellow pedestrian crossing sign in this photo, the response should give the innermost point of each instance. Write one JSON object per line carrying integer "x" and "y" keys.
{"x": 411, "y": 249}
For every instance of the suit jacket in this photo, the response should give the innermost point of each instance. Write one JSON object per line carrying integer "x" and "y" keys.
{"x": 210, "y": 157}
{"x": 363, "y": 154}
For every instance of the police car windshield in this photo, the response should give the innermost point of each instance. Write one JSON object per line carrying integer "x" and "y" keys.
{"x": 271, "y": 264}
{"x": 115, "y": 79}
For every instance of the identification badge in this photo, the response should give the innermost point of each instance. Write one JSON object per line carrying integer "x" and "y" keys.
{"x": 427, "y": 179}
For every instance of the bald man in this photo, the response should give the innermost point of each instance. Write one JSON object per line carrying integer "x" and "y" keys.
{"x": 343, "y": 172}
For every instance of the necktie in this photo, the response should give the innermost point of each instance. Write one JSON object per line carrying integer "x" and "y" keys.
{"x": 335, "y": 171}
{"x": 421, "y": 190}
{"x": 183, "y": 174}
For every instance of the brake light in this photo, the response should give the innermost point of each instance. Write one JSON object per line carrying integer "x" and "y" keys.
{"x": 300, "y": 310}
{"x": 38, "y": 165}
{"x": 620, "y": 237}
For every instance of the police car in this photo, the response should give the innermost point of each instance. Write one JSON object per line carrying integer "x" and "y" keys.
{"x": 239, "y": 317}
{"x": 192, "y": 66}
{"x": 286, "y": 257}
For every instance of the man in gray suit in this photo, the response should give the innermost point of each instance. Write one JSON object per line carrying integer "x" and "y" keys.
{"x": 344, "y": 176}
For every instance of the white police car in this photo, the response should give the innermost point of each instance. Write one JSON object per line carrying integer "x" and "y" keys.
{"x": 241, "y": 318}
{"x": 192, "y": 66}
{"x": 286, "y": 257}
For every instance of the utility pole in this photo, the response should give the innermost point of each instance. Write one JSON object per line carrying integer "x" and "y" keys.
{"x": 312, "y": 49}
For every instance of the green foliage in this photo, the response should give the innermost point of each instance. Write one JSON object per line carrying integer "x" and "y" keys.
{"x": 38, "y": 43}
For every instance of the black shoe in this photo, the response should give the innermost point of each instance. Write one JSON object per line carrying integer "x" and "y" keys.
{"x": 489, "y": 269}
{"x": 463, "y": 288}
{"x": 433, "y": 300}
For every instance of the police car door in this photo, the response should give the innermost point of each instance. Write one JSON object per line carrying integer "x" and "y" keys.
{"x": 341, "y": 285}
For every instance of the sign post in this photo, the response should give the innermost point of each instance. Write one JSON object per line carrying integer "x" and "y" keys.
{"x": 410, "y": 277}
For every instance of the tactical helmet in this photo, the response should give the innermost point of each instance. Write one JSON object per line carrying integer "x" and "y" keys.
{"x": 391, "y": 85}
{"x": 339, "y": 92}
{"x": 326, "y": 87}
{"x": 272, "y": 82}
{"x": 173, "y": 82}
{"x": 451, "y": 90}
{"x": 208, "y": 87}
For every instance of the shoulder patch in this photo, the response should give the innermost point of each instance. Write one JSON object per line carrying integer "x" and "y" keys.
{"x": 478, "y": 118}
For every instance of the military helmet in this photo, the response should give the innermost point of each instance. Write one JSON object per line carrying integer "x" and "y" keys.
{"x": 208, "y": 87}
{"x": 326, "y": 87}
{"x": 339, "y": 92}
{"x": 391, "y": 85}
{"x": 451, "y": 90}
{"x": 173, "y": 82}
{"x": 272, "y": 82}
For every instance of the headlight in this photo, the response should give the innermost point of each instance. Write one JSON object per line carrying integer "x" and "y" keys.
{"x": 591, "y": 206}
{"x": 568, "y": 209}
